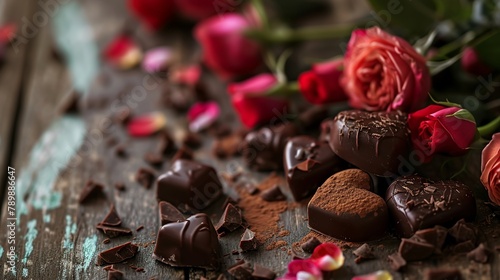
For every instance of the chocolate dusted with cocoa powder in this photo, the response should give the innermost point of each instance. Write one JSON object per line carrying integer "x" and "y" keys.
{"x": 308, "y": 163}
{"x": 189, "y": 183}
{"x": 190, "y": 243}
{"x": 263, "y": 149}
{"x": 375, "y": 142}
{"x": 344, "y": 208}
{"x": 417, "y": 203}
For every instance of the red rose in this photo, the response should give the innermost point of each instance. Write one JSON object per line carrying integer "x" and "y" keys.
{"x": 226, "y": 50}
{"x": 472, "y": 64}
{"x": 444, "y": 130}
{"x": 199, "y": 9}
{"x": 321, "y": 84}
{"x": 490, "y": 168}
{"x": 153, "y": 13}
{"x": 384, "y": 73}
{"x": 250, "y": 104}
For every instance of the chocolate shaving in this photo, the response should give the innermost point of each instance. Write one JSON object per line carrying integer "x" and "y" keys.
{"x": 183, "y": 153}
{"x": 396, "y": 261}
{"x": 310, "y": 244}
{"x": 117, "y": 254}
{"x": 153, "y": 159}
{"x": 273, "y": 194}
{"x": 145, "y": 177}
{"x": 112, "y": 219}
{"x": 364, "y": 252}
{"x": 90, "y": 191}
{"x": 113, "y": 232}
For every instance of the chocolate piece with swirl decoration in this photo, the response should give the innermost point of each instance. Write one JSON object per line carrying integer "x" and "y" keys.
{"x": 190, "y": 243}
{"x": 376, "y": 142}
{"x": 417, "y": 203}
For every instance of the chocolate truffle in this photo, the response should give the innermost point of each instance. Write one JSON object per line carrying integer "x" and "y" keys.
{"x": 417, "y": 203}
{"x": 263, "y": 149}
{"x": 189, "y": 183}
{"x": 344, "y": 208}
{"x": 308, "y": 163}
{"x": 190, "y": 243}
{"x": 375, "y": 142}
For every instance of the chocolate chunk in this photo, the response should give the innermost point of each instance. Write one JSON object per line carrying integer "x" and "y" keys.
{"x": 183, "y": 153}
{"x": 145, "y": 177}
{"x": 311, "y": 118}
{"x": 376, "y": 142}
{"x": 273, "y": 194}
{"x": 396, "y": 261}
{"x": 310, "y": 245}
{"x": 166, "y": 143}
{"x": 91, "y": 191}
{"x": 481, "y": 254}
{"x": 121, "y": 151}
{"x": 344, "y": 208}
{"x": 189, "y": 183}
{"x": 112, "y": 219}
{"x": 248, "y": 241}
{"x": 117, "y": 254}
{"x": 450, "y": 202}
{"x": 69, "y": 103}
{"x": 435, "y": 236}
{"x": 153, "y": 159}
{"x": 123, "y": 115}
{"x": 463, "y": 247}
{"x": 190, "y": 243}
{"x": 169, "y": 214}
{"x": 442, "y": 274}
{"x": 192, "y": 140}
{"x": 415, "y": 250}
{"x": 308, "y": 163}
{"x": 113, "y": 232}
{"x": 230, "y": 221}
{"x": 463, "y": 231}
{"x": 262, "y": 273}
{"x": 364, "y": 252}
{"x": 241, "y": 271}
{"x": 263, "y": 149}
{"x": 114, "y": 274}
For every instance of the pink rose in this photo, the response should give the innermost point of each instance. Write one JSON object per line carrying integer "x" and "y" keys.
{"x": 490, "y": 168}
{"x": 250, "y": 103}
{"x": 226, "y": 50}
{"x": 383, "y": 72}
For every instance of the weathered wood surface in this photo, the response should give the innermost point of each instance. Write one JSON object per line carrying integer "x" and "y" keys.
{"x": 58, "y": 240}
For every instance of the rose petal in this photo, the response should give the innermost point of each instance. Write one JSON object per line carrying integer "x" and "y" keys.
{"x": 7, "y": 32}
{"x": 157, "y": 59}
{"x": 328, "y": 257}
{"x": 202, "y": 115}
{"x": 123, "y": 53}
{"x": 302, "y": 270}
{"x": 378, "y": 275}
{"x": 186, "y": 75}
{"x": 146, "y": 125}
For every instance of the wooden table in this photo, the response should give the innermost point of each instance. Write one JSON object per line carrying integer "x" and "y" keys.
{"x": 54, "y": 155}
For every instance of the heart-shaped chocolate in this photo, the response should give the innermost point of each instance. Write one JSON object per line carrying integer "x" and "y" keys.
{"x": 376, "y": 142}
{"x": 418, "y": 203}
{"x": 190, "y": 243}
{"x": 345, "y": 208}
{"x": 308, "y": 163}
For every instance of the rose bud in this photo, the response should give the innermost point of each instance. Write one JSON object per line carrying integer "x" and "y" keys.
{"x": 472, "y": 64}
{"x": 490, "y": 168}
{"x": 321, "y": 84}
{"x": 226, "y": 50}
{"x": 251, "y": 104}
{"x": 153, "y": 13}
{"x": 383, "y": 72}
{"x": 438, "y": 129}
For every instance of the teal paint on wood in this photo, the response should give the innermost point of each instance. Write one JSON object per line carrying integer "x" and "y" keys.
{"x": 88, "y": 250}
{"x": 69, "y": 232}
{"x": 1, "y": 251}
{"x": 46, "y": 218}
{"x": 25, "y": 272}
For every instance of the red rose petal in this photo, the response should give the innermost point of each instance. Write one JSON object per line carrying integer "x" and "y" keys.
{"x": 146, "y": 125}
{"x": 328, "y": 257}
{"x": 123, "y": 53}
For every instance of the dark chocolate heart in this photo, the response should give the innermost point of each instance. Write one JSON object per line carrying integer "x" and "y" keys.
{"x": 344, "y": 208}
{"x": 418, "y": 203}
{"x": 308, "y": 163}
{"x": 190, "y": 243}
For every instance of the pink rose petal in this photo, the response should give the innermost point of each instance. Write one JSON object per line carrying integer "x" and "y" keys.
{"x": 146, "y": 125}
{"x": 328, "y": 257}
{"x": 377, "y": 275}
{"x": 202, "y": 115}
{"x": 123, "y": 53}
{"x": 157, "y": 59}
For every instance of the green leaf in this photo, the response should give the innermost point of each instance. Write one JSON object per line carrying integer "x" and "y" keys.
{"x": 416, "y": 17}
{"x": 488, "y": 49}
{"x": 446, "y": 103}
{"x": 458, "y": 11}
{"x": 463, "y": 114}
